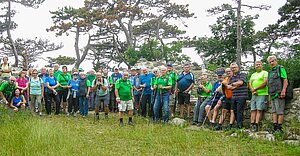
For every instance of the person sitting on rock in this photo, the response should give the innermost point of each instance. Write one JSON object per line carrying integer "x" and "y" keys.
{"x": 6, "y": 89}
{"x": 204, "y": 93}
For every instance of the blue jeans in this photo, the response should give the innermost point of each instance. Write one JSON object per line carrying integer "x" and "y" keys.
{"x": 159, "y": 103}
{"x": 238, "y": 108}
{"x": 83, "y": 105}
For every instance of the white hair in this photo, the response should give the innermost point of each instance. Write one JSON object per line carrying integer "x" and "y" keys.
{"x": 81, "y": 73}
{"x": 271, "y": 57}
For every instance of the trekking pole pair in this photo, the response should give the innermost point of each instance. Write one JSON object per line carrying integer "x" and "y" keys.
{"x": 207, "y": 114}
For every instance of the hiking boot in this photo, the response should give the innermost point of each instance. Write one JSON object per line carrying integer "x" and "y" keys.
{"x": 218, "y": 127}
{"x": 255, "y": 128}
{"x": 199, "y": 124}
{"x": 68, "y": 114}
{"x": 121, "y": 124}
{"x": 130, "y": 123}
{"x": 228, "y": 128}
{"x": 194, "y": 123}
{"x": 97, "y": 117}
{"x": 106, "y": 117}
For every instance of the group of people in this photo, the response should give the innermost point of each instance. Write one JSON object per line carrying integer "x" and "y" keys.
{"x": 152, "y": 94}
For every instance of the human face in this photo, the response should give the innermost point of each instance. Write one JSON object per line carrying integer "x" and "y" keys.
{"x": 125, "y": 76}
{"x": 82, "y": 76}
{"x": 203, "y": 80}
{"x": 163, "y": 72}
{"x": 5, "y": 59}
{"x": 258, "y": 66}
{"x": 105, "y": 72}
{"x": 92, "y": 72}
{"x": 44, "y": 70}
{"x": 186, "y": 69}
{"x": 272, "y": 62}
{"x": 169, "y": 68}
{"x": 17, "y": 92}
{"x": 50, "y": 73}
{"x": 98, "y": 76}
{"x": 34, "y": 73}
{"x": 133, "y": 72}
{"x": 156, "y": 73}
{"x": 145, "y": 71}
{"x": 56, "y": 67}
{"x": 116, "y": 71}
{"x": 234, "y": 69}
{"x": 228, "y": 72}
{"x": 23, "y": 74}
{"x": 12, "y": 81}
{"x": 64, "y": 70}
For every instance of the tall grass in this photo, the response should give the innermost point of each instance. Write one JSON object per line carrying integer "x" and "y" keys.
{"x": 24, "y": 134}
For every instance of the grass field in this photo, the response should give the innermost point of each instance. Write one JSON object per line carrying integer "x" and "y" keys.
{"x": 24, "y": 134}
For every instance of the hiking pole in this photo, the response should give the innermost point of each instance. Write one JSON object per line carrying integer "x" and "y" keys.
{"x": 212, "y": 101}
{"x": 140, "y": 101}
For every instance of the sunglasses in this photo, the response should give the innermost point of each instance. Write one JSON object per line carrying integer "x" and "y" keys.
{"x": 34, "y": 73}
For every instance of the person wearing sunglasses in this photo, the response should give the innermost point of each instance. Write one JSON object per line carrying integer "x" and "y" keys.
{"x": 6, "y": 89}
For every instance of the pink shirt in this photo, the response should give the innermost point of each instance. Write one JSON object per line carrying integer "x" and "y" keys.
{"x": 22, "y": 82}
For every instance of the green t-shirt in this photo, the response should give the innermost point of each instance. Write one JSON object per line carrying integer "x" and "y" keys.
{"x": 91, "y": 78}
{"x": 173, "y": 76}
{"x": 63, "y": 79}
{"x": 257, "y": 79}
{"x": 6, "y": 88}
{"x": 124, "y": 89}
{"x": 163, "y": 81}
{"x": 208, "y": 86}
{"x": 283, "y": 75}
{"x": 153, "y": 79}
{"x": 56, "y": 73}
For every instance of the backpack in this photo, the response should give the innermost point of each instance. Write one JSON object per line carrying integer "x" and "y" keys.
{"x": 82, "y": 87}
{"x": 289, "y": 94}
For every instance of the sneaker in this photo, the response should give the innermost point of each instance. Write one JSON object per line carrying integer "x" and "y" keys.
{"x": 106, "y": 116}
{"x": 172, "y": 115}
{"x": 75, "y": 114}
{"x": 68, "y": 114}
{"x": 130, "y": 123}
{"x": 97, "y": 117}
{"x": 50, "y": 116}
{"x": 228, "y": 128}
{"x": 40, "y": 113}
{"x": 199, "y": 124}
{"x": 121, "y": 124}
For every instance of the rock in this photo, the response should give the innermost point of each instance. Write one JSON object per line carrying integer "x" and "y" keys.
{"x": 291, "y": 142}
{"x": 178, "y": 122}
{"x": 262, "y": 135}
{"x": 234, "y": 135}
{"x": 293, "y": 137}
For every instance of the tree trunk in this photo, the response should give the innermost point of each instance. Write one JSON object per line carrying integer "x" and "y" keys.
{"x": 239, "y": 36}
{"x": 80, "y": 59}
{"x": 12, "y": 43}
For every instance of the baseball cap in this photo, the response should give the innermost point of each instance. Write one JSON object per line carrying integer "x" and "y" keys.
{"x": 80, "y": 69}
{"x": 170, "y": 65}
{"x": 220, "y": 72}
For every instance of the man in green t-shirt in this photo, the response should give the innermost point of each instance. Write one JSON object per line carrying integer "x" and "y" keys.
{"x": 56, "y": 71}
{"x": 204, "y": 92}
{"x": 124, "y": 97}
{"x": 277, "y": 84}
{"x": 163, "y": 84}
{"x": 259, "y": 89}
{"x": 62, "y": 90}
{"x": 174, "y": 77}
{"x": 6, "y": 89}
{"x": 91, "y": 100}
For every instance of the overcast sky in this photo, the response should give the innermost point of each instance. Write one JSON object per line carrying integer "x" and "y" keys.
{"x": 33, "y": 22}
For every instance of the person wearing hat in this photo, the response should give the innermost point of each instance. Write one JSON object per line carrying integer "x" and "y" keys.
{"x": 174, "y": 77}
{"x": 101, "y": 88}
{"x": 137, "y": 91}
{"x": 73, "y": 86}
{"x": 114, "y": 77}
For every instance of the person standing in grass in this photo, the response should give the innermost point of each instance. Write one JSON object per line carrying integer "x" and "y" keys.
{"x": 63, "y": 80}
{"x": 18, "y": 101}
{"x": 259, "y": 89}
{"x": 183, "y": 87}
{"x": 83, "y": 93}
{"x": 277, "y": 84}
{"x": 51, "y": 93}
{"x": 36, "y": 91}
{"x": 91, "y": 100}
{"x": 124, "y": 98}
{"x": 163, "y": 84}
{"x": 114, "y": 77}
{"x": 73, "y": 86}
{"x": 145, "y": 80}
{"x": 100, "y": 86}
{"x": 174, "y": 77}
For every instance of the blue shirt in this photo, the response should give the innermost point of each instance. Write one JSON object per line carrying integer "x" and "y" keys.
{"x": 146, "y": 79}
{"x": 52, "y": 82}
{"x": 75, "y": 85}
{"x": 43, "y": 77}
{"x": 185, "y": 81}
{"x": 217, "y": 84}
{"x": 115, "y": 77}
{"x": 136, "y": 83}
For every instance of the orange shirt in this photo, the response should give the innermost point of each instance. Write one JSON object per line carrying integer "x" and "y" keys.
{"x": 228, "y": 93}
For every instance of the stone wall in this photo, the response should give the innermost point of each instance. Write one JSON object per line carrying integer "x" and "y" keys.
{"x": 292, "y": 108}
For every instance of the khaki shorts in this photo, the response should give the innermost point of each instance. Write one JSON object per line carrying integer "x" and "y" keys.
{"x": 123, "y": 105}
{"x": 278, "y": 106}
